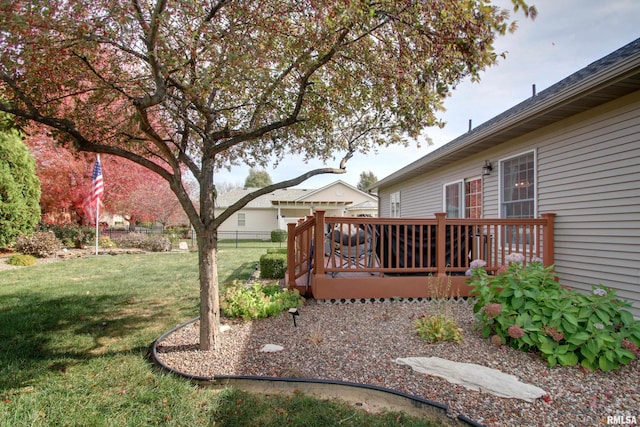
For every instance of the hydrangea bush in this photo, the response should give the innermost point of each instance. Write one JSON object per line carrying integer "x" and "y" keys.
{"x": 529, "y": 310}
{"x": 257, "y": 301}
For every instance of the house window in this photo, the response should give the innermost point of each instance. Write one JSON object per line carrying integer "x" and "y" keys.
{"x": 241, "y": 219}
{"x": 463, "y": 199}
{"x": 395, "y": 205}
{"x": 453, "y": 201}
{"x": 473, "y": 198}
{"x": 517, "y": 178}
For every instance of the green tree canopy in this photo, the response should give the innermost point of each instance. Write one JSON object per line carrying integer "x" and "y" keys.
{"x": 367, "y": 179}
{"x": 19, "y": 185}
{"x": 257, "y": 178}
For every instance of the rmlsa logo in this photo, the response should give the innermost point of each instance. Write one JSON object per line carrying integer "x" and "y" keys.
{"x": 621, "y": 419}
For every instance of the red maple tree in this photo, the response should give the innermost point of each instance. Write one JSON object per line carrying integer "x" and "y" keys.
{"x": 130, "y": 189}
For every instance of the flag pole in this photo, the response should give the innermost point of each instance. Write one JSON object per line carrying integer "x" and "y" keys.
{"x": 97, "y": 222}
{"x": 97, "y": 215}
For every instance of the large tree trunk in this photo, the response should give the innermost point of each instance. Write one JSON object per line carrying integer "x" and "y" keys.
{"x": 207, "y": 233}
{"x": 209, "y": 299}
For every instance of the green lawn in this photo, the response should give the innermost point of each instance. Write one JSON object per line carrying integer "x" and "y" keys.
{"x": 74, "y": 340}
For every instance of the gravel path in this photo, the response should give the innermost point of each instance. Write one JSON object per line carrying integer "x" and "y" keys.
{"x": 359, "y": 343}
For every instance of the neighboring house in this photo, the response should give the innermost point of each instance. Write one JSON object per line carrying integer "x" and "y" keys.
{"x": 572, "y": 149}
{"x": 274, "y": 210}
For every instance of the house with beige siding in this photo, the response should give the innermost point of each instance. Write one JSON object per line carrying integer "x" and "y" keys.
{"x": 572, "y": 149}
{"x": 275, "y": 210}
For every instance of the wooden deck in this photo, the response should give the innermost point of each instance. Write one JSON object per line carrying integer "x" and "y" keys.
{"x": 361, "y": 257}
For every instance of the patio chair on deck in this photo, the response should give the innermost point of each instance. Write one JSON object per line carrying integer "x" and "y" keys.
{"x": 350, "y": 246}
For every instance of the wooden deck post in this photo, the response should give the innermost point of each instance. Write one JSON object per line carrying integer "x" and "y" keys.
{"x": 548, "y": 255}
{"x": 441, "y": 243}
{"x": 319, "y": 243}
{"x": 291, "y": 254}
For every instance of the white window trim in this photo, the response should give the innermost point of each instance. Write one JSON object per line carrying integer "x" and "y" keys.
{"x": 535, "y": 181}
{"x": 463, "y": 194}
{"x": 535, "y": 190}
{"x": 244, "y": 219}
{"x": 392, "y": 196}
{"x": 460, "y": 183}
{"x": 476, "y": 178}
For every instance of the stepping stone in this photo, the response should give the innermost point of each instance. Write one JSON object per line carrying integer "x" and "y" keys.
{"x": 271, "y": 348}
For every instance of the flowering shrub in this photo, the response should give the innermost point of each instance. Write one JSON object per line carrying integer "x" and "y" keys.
{"x": 567, "y": 327}
{"x": 41, "y": 244}
{"x": 257, "y": 301}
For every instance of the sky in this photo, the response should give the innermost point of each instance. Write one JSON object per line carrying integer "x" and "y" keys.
{"x": 567, "y": 35}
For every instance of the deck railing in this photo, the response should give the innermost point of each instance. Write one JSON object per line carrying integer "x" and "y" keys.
{"x": 428, "y": 246}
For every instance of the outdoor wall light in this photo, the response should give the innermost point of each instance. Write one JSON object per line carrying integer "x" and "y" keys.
{"x": 294, "y": 312}
{"x": 487, "y": 168}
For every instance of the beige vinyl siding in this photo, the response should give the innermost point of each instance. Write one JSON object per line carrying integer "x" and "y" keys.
{"x": 421, "y": 197}
{"x": 589, "y": 174}
{"x": 384, "y": 201}
{"x": 490, "y": 196}
{"x": 261, "y": 220}
{"x": 588, "y": 171}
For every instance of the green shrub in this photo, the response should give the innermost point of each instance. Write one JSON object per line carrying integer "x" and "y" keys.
{"x": 41, "y": 244}
{"x": 156, "y": 244}
{"x": 19, "y": 184}
{"x": 106, "y": 242}
{"x": 530, "y": 311}
{"x": 21, "y": 260}
{"x": 152, "y": 242}
{"x": 273, "y": 266}
{"x": 130, "y": 240}
{"x": 277, "y": 250}
{"x": 178, "y": 232}
{"x": 71, "y": 235}
{"x": 257, "y": 301}
{"x": 278, "y": 235}
{"x": 438, "y": 328}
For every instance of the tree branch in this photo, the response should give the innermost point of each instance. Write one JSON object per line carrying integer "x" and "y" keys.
{"x": 277, "y": 186}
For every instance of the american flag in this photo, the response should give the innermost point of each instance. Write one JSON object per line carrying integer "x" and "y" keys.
{"x": 97, "y": 186}
{"x": 92, "y": 202}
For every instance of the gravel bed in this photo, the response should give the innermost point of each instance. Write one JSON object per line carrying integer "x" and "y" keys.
{"x": 359, "y": 342}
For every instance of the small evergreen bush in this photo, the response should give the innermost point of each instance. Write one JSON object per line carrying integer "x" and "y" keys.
{"x": 257, "y": 301}
{"x": 531, "y": 311}
{"x": 273, "y": 266}
{"x": 278, "y": 235}
{"x": 21, "y": 260}
{"x": 277, "y": 250}
{"x": 41, "y": 244}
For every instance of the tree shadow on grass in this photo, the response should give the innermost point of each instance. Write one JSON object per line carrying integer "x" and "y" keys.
{"x": 243, "y": 272}
{"x": 39, "y": 334}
